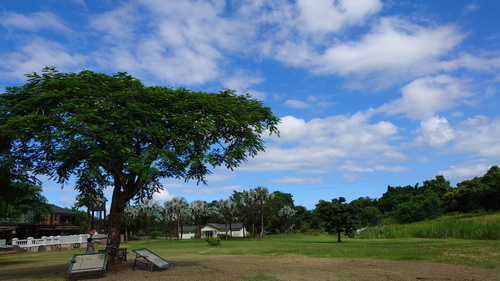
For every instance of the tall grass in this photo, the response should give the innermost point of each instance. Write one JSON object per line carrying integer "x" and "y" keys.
{"x": 470, "y": 226}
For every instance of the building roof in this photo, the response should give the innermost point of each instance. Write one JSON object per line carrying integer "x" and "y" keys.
{"x": 62, "y": 211}
{"x": 219, "y": 226}
{"x": 234, "y": 226}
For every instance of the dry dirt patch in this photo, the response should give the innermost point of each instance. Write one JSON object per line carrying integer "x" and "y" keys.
{"x": 295, "y": 267}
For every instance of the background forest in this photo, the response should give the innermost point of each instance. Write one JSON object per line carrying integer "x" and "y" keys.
{"x": 267, "y": 213}
{"x": 263, "y": 212}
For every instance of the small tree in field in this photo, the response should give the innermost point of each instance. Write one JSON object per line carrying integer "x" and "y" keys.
{"x": 115, "y": 131}
{"x": 337, "y": 216}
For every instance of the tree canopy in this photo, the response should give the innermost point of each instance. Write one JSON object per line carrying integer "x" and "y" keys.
{"x": 113, "y": 130}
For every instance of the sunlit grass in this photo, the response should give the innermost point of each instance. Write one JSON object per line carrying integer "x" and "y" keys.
{"x": 477, "y": 253}
{"x": 469, "y": 226}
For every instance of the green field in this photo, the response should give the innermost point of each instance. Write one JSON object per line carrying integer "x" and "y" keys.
{"x": 52, "y": 265}
{"x": 476, "y": 253}
{"x": 406, "y": 245}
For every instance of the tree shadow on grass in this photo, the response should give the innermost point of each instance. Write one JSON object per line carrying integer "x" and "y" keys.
{"x": 49, "y": 272}
{"x": 11, "y": 262}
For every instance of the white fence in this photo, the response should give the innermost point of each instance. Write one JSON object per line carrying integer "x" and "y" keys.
{"x": 54, "y": 240}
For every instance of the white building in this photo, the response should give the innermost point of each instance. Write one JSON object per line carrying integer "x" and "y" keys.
{"x": 214, "y": 229}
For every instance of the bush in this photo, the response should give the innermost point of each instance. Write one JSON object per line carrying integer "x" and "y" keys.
{"x": 155, "y": 234}
{"x": 213, "y": 241}
{"x": 223, "y": 236}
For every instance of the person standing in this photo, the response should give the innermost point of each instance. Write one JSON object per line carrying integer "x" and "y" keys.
{"x": 90, "y": 246}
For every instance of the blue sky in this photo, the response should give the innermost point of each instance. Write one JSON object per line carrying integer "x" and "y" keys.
{"x": 371, "y": 93}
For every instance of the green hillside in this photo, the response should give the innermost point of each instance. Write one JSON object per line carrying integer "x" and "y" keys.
{"x": 461, "y": 226}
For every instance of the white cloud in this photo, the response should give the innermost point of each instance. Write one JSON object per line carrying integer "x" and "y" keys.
{"x": 393, "y": 49}
{"x": 435, "y": 131}
{"x": 393, "y": 169}
{"x": 36, "y": 21}
{"x": 37, "y": 54}
{"x": 351, "y": 166}
{"x": 117, "y": 24}
{"x": 297, "y": 180}
{"x": 319, "y": 143}
{"x": 162, "y": 195}
{"x": 67, "y": 202}
{"x": 241, "y": 81}
{"x": 220, "y": 175}
{"x": 479, "y": 135}
{"x": 470, "y": 8}
{"x": 174, "y": 48}
{"x": 426, "y": 96}
{"x": 296, "y": 104}
{"x": 464, "y": 172}
{"x": 331, "y": 16}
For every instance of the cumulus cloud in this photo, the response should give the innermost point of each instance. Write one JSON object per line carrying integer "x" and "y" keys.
{"x": 331, "y": 16}
{"x": 465, "y": 171}
{"x": 392, "y": 52}
{"x": 175, "y": 48}
{"x": 38, "y": 54}
{"x": 317, "y": 144}
{"x": 435, "y": 131}
{"x": 426, "y": 96}
{"x": 162, "y": 195}
{"x": 479, "y": 135}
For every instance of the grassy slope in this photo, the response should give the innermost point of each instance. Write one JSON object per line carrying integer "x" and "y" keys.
{"x": 463, "y": 226}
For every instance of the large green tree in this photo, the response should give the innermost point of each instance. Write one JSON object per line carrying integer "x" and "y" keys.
{"x": 338, "y": 217}
{"x": 113, "y": 130}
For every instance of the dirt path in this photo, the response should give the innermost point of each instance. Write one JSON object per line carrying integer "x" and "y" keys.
{"x": 295, "y": 267}
{"x": 269, "y": 268}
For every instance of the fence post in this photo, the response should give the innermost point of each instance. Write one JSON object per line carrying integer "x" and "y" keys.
{"x": 14, "y": 241}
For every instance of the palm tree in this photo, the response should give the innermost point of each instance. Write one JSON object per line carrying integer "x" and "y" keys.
{"x": 286, "y": 212}
{"x": 226, "y": 210}
{"x": 148, "y": 207}
{"x": 198, "y": 209}
{"x": 130, "y": 213}
{"x": 261, "y": 195}
{"x": 180, "y": 209}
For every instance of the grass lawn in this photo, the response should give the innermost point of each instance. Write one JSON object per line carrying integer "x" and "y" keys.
{"x": 308, "y": 251}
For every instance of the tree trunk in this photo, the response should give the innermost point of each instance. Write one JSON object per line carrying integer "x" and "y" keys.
{"x": 114, "y": 224}
{"x": 121, "y": 195}
{"x": 338, "y": 237}
{"x": 261, "y": 222}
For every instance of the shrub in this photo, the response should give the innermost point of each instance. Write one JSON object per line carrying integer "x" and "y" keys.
{"x": 155, "y": 234}
{"x": 213, "y": 241}
{"x": 223, "y": 236}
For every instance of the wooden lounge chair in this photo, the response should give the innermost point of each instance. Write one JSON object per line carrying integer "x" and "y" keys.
{"x": 150, "y": 260}
{"x": 88, "y": 266}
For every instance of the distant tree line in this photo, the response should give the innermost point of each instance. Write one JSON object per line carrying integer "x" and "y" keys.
{"x": 263, "y": 212}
